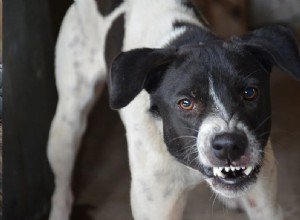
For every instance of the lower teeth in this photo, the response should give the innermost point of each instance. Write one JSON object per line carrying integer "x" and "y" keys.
{"x": 231, "y": 171}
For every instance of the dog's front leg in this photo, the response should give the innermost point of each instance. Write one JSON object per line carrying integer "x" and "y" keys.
{"x": 261, "y": 202}
{"x": 80, "y": 77}
{"x": 157, "y": 193}
{"x": 159, "y": 183}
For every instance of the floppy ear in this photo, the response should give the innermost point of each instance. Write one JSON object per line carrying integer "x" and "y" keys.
{"x": 273, "y": 45}
{"x": 135, "y": 70}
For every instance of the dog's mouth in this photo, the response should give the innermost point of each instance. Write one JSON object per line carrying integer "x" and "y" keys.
{"x": 234, "y": 178}
{"x": 232, "y": 172}
{"x": 230, "y": 178}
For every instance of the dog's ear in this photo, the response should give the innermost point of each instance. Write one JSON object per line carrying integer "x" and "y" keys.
{"x": 135, "y": 70}
{"x": 273, "y": 45}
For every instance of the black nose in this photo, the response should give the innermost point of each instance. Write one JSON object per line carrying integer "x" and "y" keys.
{"x": 229, "y": 146}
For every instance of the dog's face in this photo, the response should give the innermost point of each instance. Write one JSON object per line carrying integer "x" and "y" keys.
{"x": 215, "y": 107}
{"x": 213, "y": 101}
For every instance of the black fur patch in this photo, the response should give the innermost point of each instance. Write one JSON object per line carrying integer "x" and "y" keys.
{"x": 105, "y": 7}
{"x": 114, "y": 40}
{"x": 231, "y": 69}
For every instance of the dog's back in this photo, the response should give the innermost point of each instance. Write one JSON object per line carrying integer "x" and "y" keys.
{"x": 101, "y": 24}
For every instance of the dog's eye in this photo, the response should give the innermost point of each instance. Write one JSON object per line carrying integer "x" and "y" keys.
{"x": 186, "y": 104}
{"x": 250, "y": 93}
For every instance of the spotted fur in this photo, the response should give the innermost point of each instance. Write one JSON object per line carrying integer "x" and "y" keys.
{"x": 155, "y": 32}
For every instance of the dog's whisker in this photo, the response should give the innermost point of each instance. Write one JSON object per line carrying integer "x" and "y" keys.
{"x": 188, "y": 145}
{"x": 272, "y": 132}
{"x": 192, "y": 140}
{"x": 255, "y": 71}
{"x": 192, "y": 129}
{"x": 189, "y": 152}
{"x": 195, "y": 158}
{"x": 268, "y": 156}
{"x": 182, "y": 137}
{"x": 216, "y": 195}
{"x": 212, "y": 194}
{"x": 285, "y": 132}
{"x": 263, "y": 134}
{"x": 263, "y": 122}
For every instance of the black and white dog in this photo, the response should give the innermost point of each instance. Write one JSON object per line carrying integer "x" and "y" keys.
{"x": 196, "y": 107}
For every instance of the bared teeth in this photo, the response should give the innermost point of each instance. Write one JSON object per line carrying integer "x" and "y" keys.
{"x": 217, "y": 171}
{"x": 248, "y": 170}
{"x": 214, "y": 171}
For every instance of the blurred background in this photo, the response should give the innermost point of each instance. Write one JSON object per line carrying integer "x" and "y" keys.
{"x": 1, "y": 107}
{"x": 101, "y": 178}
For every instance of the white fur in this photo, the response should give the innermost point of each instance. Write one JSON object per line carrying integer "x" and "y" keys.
{"x": 140, "y": 31}
{"x": 159, "y": 182}
{"x": 218, "y": 104}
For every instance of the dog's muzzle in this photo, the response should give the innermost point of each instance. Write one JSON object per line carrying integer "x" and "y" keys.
{"x": 230, "y": 163}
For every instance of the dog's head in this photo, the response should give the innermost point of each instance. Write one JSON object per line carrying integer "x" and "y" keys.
{"x": 213, "y": 100}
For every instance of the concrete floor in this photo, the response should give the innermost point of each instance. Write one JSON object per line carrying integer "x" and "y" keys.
{"x": 102, "y": 179}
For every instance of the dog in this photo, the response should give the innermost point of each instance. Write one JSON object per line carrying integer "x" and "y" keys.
{"x": 196, "y": 107}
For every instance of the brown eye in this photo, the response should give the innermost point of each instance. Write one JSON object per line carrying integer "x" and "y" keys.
{"x": 250, "y": 93}
{"x": 186, "y": 104}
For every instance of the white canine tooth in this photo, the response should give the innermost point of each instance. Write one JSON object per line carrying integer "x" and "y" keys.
{"x": 237, "y": 168}
{"x": 215, "y": 170}
{"x": 227, "y": 169}
{"x": 243, "y": 168}
{"x": 232, "y": 168}
{"x": 221, "y": 174}
{"x": 248, "y": 170}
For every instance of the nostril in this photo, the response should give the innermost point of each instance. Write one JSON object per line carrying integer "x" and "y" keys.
{"x": 229, "y": 146}
{"x": 236, "y": 148}
{"x": 219, "y": 150}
